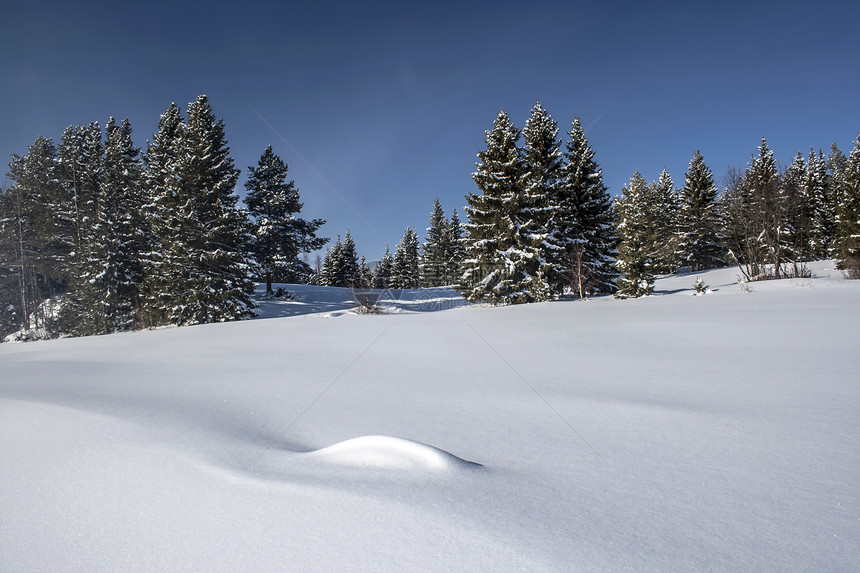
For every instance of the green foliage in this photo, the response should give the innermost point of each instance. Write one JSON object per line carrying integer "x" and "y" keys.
{"x": 279, "y": 235}
{"x": 635, "y": 262}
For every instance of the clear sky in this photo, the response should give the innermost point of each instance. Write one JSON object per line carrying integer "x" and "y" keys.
{"x": 383, "y": 106}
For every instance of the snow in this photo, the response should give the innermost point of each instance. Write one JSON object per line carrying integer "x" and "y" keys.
{"x": 670, "y": 433}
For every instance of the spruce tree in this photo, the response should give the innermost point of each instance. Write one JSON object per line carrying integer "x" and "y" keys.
{"x": 498, "y": 179}
{"x": 823, "y": 204}
{"x": 327, "y": 275}
{"x": 43, "y": 227}
{"x": 205, "y": 273}
{"x": 700, "y": 240}
{"x": 456, "y": 250}
{"x": 847, "y": 240}
{"x": 664, "y": 211}
{"x": 365, "y": 276}
{"x": 503, "y": 262}
{"x": 405, "y": 273}
{"x": 533, "y": 262}
{"x": 382, "y": 271}
{"x": 584, "y": 220}
{"x": 161, "y": 191}
{"x": 279, "y": 235}
{"x": 635, "y": 261}
{"x": 347, "y": 264}
{"x": 435, "y": 250}
{"x": 106, "y": 289}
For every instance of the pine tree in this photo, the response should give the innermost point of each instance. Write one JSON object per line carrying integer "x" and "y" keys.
{"x": 435, "y": 250}
{"x": 365, "y": 275}
{"x": 106, "y": 286}
{"x": 584, "y": 220}
{"x": 327, "y": 275}
{"x": 43, "y": 229}
{"x": 204, "y": 274}
{"x": 634, "y": 250}
{"x": 504, "y": 262}
{"x": 161, "y": 191}
{"x": 798, "y": 209}
{"x": 347, "y": 265}
{"x": 536, "y": 242}
{"x": 847, "y": 240}
{"x": 664, "y": 212}
{"x": 489, "y": 232}
{"x": 280, "y": 236}
{"x": 405, "y": 273}
{"x": 824, "y": 204}
{"x": 700, "y": 240}
{"x": 456, "y": 250}
{"x": 382, "y": 271}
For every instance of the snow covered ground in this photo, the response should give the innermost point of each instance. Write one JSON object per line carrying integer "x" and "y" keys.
{"x": 671, "y": 433}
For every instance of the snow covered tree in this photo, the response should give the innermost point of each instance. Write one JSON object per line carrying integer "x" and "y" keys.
{"x": 405, "y": 272}
{"x": 665, "y": 214}
{"x": 162, "y": 190}
{"x": 203, "y": 273}
{"x": 435, "y": 250}
{"x": 365, "y": 276}
{"x": 537, "y": 239}
{"x": 700, "y": 240}
{"x": 106, "y": 284}
{"x": 456, "y": 249}
{"x": 634, "y": 249}
{"x": 847, "y": 240}
{"x": 347, "y": 265}
{"x": 584, "y": 220}
{"x": 382, "y": 271}
{"x": 503, "y": 264}
{"x": 488, "y": 235}
{"x": 41, "y": 220}
{"x": 328, "y": 273}
{"x": 823, "y": 204}
{"x": 280, "y": 236}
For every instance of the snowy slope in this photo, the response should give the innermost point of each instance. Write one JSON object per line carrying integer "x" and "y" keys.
{"x": 671, "y": 433}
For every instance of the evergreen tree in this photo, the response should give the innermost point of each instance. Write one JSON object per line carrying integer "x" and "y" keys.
{"x": 700, "y": 240}
{"x": 456, "y": 250}
{"x": 347, "y": 264}
{"x": 847, "y": 240}
{"x": 42, "y": 226}
{"x": 365, "y": 276}
{"x": 798, "y": 209}
{"x": 488, "y": 229}
{"x": 204, "y": 275}
{"x": 823, "y": 205}
{"x": 161, "y": 191}
{"x": 504, "y": 262}
{"x": 584, "y": 220}
{"x": 534, "y": 258}
{"x": 634, "y": 250}
{"x": 328, "y": 271}
{"x": 106, "y": 285}
{"x": 665, "y": 214}
{"x": 435, "y": 250}
{"x": 280, "y": 236}
{"x": 405, "y": 272}
{"x": 382, "y": 271}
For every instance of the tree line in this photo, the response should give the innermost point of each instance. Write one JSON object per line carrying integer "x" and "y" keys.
{"x": 543, "y": 225}
{"x": 96, "y": 237}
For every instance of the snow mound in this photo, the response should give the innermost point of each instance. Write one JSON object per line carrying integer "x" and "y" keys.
{"x": 387, "y": 452}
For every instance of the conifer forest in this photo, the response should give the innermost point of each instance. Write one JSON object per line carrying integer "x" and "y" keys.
{"x": 99, "y": 236}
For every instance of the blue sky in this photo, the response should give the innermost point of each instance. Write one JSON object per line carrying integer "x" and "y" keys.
{"x": 387, "y": 103}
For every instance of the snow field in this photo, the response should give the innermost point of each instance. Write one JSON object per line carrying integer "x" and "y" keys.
{"x": 671, "y": 433}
